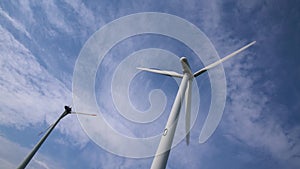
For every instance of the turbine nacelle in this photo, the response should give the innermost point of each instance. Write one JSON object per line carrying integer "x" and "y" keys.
{"x": 186, "y": 66}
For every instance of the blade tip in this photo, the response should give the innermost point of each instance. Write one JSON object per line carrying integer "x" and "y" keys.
{"x": 252, "y": 43}
{"x": 202, "y": 140}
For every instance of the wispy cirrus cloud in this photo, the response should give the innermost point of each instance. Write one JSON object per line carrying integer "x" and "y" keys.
{"x": 14, "y": 22}
{"x": 12, "y": 154}
{"x": 251, "y": 116}
{"x": 253, "y": 120}
{"x": 56, "y": 16}
{"x": 25, "y": 85}
{"x": 29, "y": 94}
{"x": 85, "y": 15}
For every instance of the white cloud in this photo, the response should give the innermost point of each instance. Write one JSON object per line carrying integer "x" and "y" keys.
{"x": 26, "y": 86}
{"x": 12, "y": 154}
{"x": 29, "y": 94}
{"x": 41, "y": 163}
{"x": 27, "y": 11}
{"x": 101, "y": 159}
{"x": 248, "y": 6}
{"x": 55, "y": 16}
{"x": 14, "y": 22}
{"x": 249, "y": 116}
{"x": 86, "y": 16}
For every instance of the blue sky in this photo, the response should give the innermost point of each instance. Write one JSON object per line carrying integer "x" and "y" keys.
{"x": 41, "y": 41}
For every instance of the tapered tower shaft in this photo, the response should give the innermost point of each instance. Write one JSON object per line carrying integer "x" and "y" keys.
{"x": 162, "y": 154}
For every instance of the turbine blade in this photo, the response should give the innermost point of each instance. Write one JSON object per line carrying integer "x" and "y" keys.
{"x": 163, "y": 72}
{"x": 223, "y": 59}
{"x": 40, "y": 133}
{"x": 88, "y": 114}
{"x": 188, "y": 96}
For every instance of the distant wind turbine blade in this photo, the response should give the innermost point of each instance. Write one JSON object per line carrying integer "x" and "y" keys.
{"x": 163, "y": 72}
{"x": 188, "y": 96}
{"x": 45, "y": 130}
{"x": 88, "y": 114}
{"x": 223, "y": 59}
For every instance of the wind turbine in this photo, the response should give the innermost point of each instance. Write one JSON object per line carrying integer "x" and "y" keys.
{"x": 68, "y": 110}
{"x": 162, "y": 154}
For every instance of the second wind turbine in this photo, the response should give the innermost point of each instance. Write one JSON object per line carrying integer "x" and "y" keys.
{"x": 162, "y": 154}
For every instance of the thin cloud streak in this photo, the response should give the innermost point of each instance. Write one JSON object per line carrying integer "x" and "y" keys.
{"x": 29, "y": 94}
{"x": 14, "y": 22}
{"x": 12, "y": 154}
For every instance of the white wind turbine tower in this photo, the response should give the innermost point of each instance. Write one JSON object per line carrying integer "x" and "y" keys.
{"x": 162, "y": 154}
